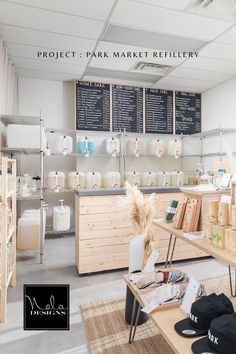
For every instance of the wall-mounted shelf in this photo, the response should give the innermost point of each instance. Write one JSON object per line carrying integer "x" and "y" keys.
{"x": 25, "y": 120}
{"x": 213, "y": 132}
{"x": 64, "y": 190}
{"x": 16, "y": 151}
{"x": 60, "y": 131}
{"x": 50, "y": 231}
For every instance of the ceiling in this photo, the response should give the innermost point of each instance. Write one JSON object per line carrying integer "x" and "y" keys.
{"x": 31, "y": 26}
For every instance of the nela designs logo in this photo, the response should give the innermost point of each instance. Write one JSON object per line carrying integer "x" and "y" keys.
{"x": 46, "y": 307}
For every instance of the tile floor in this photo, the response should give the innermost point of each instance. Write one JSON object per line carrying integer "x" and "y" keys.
{"x": 59, "y": 267}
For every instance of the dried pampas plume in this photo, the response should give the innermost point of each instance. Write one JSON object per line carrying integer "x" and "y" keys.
{"x": 142, "y": 212}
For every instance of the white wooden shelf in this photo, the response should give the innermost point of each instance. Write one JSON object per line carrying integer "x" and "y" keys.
{"x": 7, "y": 233}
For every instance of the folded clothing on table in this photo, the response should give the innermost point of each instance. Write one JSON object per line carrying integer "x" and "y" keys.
{"x": 161, "y": 277}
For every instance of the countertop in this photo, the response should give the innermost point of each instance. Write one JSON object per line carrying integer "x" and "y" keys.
{"x": 121, "y": 191}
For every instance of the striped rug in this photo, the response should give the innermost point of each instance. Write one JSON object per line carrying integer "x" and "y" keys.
{"x": 108, "y": 333}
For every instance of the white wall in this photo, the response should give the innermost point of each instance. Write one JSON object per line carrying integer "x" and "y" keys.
{"x": 219, "y": 110}
{"x": 219, "y": 106}
{"x": 56, "y": 100}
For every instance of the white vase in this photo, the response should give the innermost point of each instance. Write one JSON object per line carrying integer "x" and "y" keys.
{"x": 136, "y": 253}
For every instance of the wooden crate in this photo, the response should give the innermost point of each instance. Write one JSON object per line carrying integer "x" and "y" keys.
{"x": 205, "y": 198}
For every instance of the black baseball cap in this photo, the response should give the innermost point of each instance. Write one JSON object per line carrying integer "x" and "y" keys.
{"x": 203, "y": 311}
{"x": 221, "y": 337}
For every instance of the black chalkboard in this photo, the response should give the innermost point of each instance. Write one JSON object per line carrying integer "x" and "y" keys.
{"x": 127, "y": 108}
{"x": 92, "y": 106}
{"x": 187, "y": 113}
{"x": 158, "y": 111}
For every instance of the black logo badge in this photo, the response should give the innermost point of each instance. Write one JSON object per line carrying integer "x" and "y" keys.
{"x": 46, "y": 307}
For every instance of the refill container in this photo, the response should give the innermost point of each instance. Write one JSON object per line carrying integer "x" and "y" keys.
{"x": 213, "y": 210}
{"x": 134, "y": 178}
{"x": 209, "y": 231}
{"x": 215, "y": 236}
{"x": 56, "y": 180}
{"x": 64, "y": 144}
{"x": 85, "y": 147}
{"x": 28, "y": 230}
{"x": 177, "y": 178}
{"x": 163, "y": 178}
{"x": 112, "y": 146}
{"x": 227, "y": 239}
{"x": 221, "y": 237}
{"x": 93, "y": 180}
{"x": 17, "y": 133}
{"x": 148, "y": 179}
{"x": 156, "y": 148}
{"x": 76, "y": 180}
{"x": 134, "y": 147}
{"x": 111, "y": 180}
{"x": 233, "y": 215}
{"x": 28, "y": 233}
{"x": 233, "y": 242}
{"x": 223, "y": 213}
{"x": 175, "y": 148}
{"x": 61, "y": 217}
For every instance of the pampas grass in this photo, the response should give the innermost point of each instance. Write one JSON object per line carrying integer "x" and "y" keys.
{"x": 142, "y": 212}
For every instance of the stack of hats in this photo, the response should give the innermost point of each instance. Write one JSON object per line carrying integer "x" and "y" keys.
{"x": 213, "y": 315}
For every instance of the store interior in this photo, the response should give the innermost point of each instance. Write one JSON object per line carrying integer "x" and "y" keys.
{"x": 95, "y": 94}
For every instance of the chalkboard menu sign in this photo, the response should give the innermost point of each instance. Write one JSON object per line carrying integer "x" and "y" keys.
{"x": 187, "y": 112}
{"x": 159, "y": 111}
{"x": 92, "y": 106}
{"x": 127, "y": 108}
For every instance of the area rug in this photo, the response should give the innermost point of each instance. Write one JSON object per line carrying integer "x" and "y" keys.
{"x": 108, "y": 333}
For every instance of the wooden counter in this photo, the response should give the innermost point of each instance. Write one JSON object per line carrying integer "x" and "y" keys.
{"x": 103, "y": 232}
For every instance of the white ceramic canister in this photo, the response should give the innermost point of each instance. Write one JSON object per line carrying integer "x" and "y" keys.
{"x": 156, "y": 147}
{"x": 177, "y": 178}
{"x": 134, "y": 147}
{"x": 93, "y": 180}
{"x": 163, "y": 178}
{"x": 134, "y": 178}
{"x": 175, "y": 148}
{"x": 64, "y": 144}
{"x": 111, "y": 180}
{"x": 149, "y": 179}
{"x": 76, "y": 180}
{"x": 56, "y": 180}
{"x": 113, "y": 146}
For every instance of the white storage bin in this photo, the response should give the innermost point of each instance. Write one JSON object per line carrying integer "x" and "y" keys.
{"x": 175, "y": 148}
{"x": 56, "y": 180}
{"x": 177, "y": 178}
{"x": 156, "y": 148}
{"x": 76, "y": 180}
{"x": 61, "y": 217}
{"x": 28, "y": 230}
{"x": 163, "y": 178}
{"x": 93, "y": 180}
{"x": 111, "y": 180}
{"x": 21, "y": 136}
{"x": 64, "y": 144}
{"x": 134, "y": 147}
{"x": 149, "y": 179}
{"x": 134, "y": 178}
{"x": 113, "y": 146}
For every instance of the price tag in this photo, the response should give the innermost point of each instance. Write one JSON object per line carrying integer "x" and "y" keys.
{"x": 190, "y": 295}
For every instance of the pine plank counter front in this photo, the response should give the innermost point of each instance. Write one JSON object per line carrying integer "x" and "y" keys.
{"x": 103, "y": 229}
